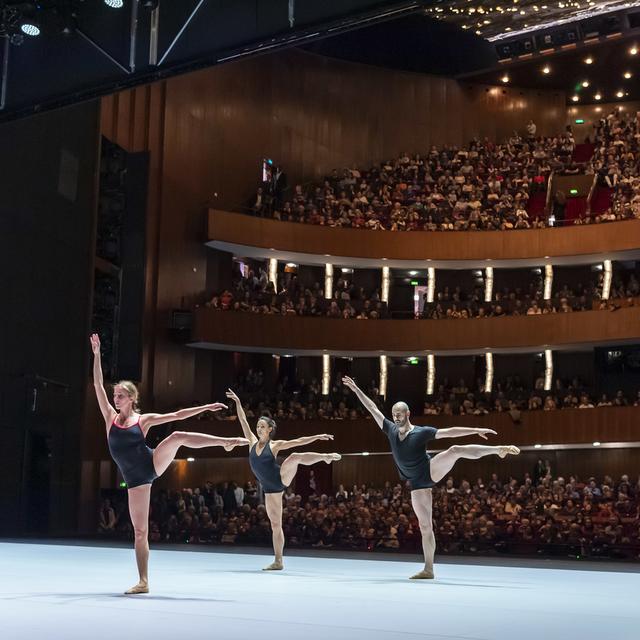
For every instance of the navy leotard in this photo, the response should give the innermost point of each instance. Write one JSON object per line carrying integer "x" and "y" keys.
{"x": 266, "y": 469}
{"x": 410, "y": 455}
{"x": 130, "y": 452}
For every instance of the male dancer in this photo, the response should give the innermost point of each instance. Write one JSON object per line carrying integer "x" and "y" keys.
{"x": 408, "y": 445}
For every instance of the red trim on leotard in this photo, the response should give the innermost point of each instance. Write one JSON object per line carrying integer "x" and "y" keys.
{"x": 117, "y": 426}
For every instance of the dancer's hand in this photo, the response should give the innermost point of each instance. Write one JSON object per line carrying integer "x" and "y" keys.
{"x": 483, "y": 433}
{"x": 349, "y": 383}
{"x": 325, "y": 436}
{"x": 232, "y": 395}
{"x": 95, "y": 343}
{"x": 216, "y": 406}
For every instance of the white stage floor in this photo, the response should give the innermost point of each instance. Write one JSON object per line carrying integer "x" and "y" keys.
{"x": 59, "y": 592}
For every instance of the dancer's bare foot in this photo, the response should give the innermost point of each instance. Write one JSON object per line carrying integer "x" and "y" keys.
{"x": 332, "y": 457}
{"x": 508, "y": 450}
{"x": 275, "y": 566}
{"x": 235, "y": 442}
{"x": 423, "y": 575}
{"x": 141, "y": 587}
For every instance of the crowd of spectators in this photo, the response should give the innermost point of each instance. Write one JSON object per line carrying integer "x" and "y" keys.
{"x": 512, "y": 395}
{"x": 538, "y": 514}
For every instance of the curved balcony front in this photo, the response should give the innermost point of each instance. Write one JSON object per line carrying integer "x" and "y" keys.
{"x": 309, "y": 244}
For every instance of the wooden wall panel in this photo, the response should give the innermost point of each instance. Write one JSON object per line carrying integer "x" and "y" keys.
{"x": 251, "y": 231}
{"x": 289, "y": 333}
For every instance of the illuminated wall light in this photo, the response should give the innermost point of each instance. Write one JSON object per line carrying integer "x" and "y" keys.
{"x": 365, "y": 453}
{"x": 537, "y": 446}
{"x": 606, "y": 281}
{"x": 488, "y": 284}
{"x": 386, "y": 278}
{"x": 383, "y": 376}
{"x": 596, "y": 444}
{"x": 548, "y": 281}
{"x": 413, "y": 273}
{"x": 431, "y": 373}
{"x": 326, "y": 374}
{"x": 328, "y": 281}
{"x": 548, "y": 369}
{"x": 598, "y": 96}
{"x": 546, "y": 70}
{"x": 505, "y": 78}
{"x": 273, "y": 273}
{"x": 575, "y": 98}
{"x": 588, "y": 60}
{"x": 431, "y": 284}
{"x": 633, "y": 51}
{"x": 585, "y": 83}
{"x": 627, "y": 74}
{"x": 620, "y": 94}
{"x": 488, "y": 381}
{"x": 292, "y": 265}
{"x": 191, "y": 459}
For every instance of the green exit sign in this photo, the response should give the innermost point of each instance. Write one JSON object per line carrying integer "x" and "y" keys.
{"x": 414, "y": 283}
{"x": 573, "y": 192}
{"x": 579, "y": 121}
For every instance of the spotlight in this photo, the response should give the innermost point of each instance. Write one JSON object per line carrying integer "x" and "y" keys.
{"x": 598, "y": 96}
{"x": 588, "y": 60}
{"x": 627, "y": 74}
{"x": 114, "y": 4}
{"x": 546, "y": 70}
{"x": 30, "y": 28}
{"x": 585, "y": 84}
{"x": 505, "y": 78}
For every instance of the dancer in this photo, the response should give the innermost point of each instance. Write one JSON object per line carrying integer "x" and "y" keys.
{"x": 273, "y": 477}
{"x": 408, "y": 445}
{"x": 140, "y": 465}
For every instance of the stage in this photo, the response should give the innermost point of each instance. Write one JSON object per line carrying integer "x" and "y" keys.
{"x": 74, "y": 592}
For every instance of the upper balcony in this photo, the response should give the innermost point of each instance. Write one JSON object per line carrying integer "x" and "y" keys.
{"x": 309, "y": 244}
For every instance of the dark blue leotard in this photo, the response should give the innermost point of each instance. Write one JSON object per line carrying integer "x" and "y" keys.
{"x": 410, "y": 454}
{"x": 130, "y": 452}
{"x": 266, "y": 469}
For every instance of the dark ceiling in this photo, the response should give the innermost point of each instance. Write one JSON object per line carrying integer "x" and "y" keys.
{"x": 568, "y": 69}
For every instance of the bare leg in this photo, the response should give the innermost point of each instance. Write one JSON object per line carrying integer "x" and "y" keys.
{"x": 165, "y": 452}
{"x": 443, "y": 462}
{"x": 273, "y": 503}
{"x": 139, "y": 511}
{"x": 421, "y": 499}
{"x": 289, "y": 467}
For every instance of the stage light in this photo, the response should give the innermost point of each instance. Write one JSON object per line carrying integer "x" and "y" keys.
{"x": 30, "y": 28}
{"x": 114, "y": 4}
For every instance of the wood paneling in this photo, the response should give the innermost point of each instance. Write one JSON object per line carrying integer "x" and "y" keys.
{"x": 246, "y": 331}
{"x": 421, "y": 245}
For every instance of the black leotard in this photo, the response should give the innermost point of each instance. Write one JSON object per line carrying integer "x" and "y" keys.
{"x": 130, "y": 452}
{"x": 266, "y": 469}
{"x": 410, "y": 454}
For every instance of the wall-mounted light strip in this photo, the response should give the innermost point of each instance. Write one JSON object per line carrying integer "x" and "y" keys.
{"x": 384, "y": 296}
{"x": 431, "y": 373}
{"x": 431, "y": 283}
{"x": 548, "y": 369}
{"x": 328, "y": 281}
{"x": 488, "y": 381}
{"x": 548, "y": 281}
{"x": 606, "y": 281}
{"x": 326, "y": 374}
{"x": 383, "y": 376}
{"x": 488, "y": 284}
{"x": 273, "y": 273}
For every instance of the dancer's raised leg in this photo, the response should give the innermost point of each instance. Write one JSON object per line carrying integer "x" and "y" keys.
{"x": 165, "y": 452}
{"x": 421, "y": 500}
{"x": 139, "y": 512}
{"x": 290, "y": 465}
{"x": 273, "y": 503}
{"x": 443, "y": 462}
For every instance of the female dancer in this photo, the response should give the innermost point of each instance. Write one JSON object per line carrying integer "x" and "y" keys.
{"x": 273, "y": 477}
{"x": 140, "y": 465}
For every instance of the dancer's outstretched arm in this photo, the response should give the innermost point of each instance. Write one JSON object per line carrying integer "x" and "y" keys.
{"x": 368, "y": 403}
{"x": 107, "y": 410}
{"x": 242, "y": 417}
{"x": 281, "y": 445}
{"x": 461, "y": 432}
{"x": 148, "y": 420}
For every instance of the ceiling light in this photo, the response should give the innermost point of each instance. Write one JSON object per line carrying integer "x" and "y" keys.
{"x": 585, "y": 84}
{"x": 588, "y": 60}
{"x": 620, "y": 94}
{"x": 413, "y": 273}
{"x": 627, "y": 74}
{"x": 505, "y": 78}
{"x": 575, "y": 98}
{"x": 546, "y": 70}
{"x": 633, "y": 51}
{"x": 30, "y": 29}
{"x": 598, "y": 96}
